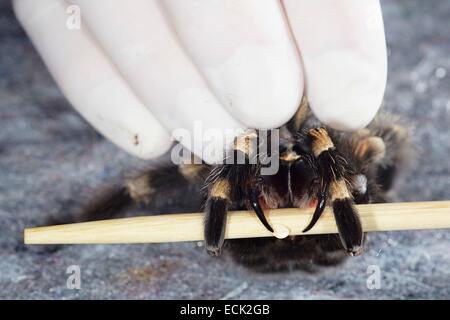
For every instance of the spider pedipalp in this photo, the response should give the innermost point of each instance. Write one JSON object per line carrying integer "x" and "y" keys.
{"x": 335, "y": 172}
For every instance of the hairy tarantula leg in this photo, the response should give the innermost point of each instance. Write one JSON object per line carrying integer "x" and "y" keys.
{"x": 216, "y": 218}
{"x": 225, "y": 185}
{"x": 334, "y": 168}
{"x": 347, "y": 219}
{"x": 321, "y": 203}
{"x": 254, "y": 194}
{"x": 216, "y": 209}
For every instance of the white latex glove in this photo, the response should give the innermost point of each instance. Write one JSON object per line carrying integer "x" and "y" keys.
{"x": 139, "y": 69}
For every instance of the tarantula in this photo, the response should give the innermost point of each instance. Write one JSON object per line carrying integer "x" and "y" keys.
{"x": 318, "y": 167}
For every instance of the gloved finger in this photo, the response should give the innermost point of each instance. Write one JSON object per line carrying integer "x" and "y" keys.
{"x": 343, "y": 49}
{"x": 143, "y": 46}
{"x": 89, "y": 80}
{"x": 245, "y": 51}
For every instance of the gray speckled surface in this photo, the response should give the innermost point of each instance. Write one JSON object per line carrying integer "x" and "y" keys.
{"x": 49, "y": 157}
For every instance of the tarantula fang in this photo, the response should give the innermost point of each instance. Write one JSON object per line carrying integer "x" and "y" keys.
{"x": 254, "y": 200}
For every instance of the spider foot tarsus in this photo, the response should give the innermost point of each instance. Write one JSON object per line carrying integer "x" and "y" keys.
{"x": 216, "y": 218}
{"x": 216, "y": 208}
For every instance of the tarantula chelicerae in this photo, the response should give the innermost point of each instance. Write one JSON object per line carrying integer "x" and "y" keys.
{"x": 318, "y": 167}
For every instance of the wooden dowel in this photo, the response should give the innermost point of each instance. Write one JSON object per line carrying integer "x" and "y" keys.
{"x": 240, "y": 224}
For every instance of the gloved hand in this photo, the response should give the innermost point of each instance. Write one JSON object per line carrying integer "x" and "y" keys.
{"x": 139, "y": 69}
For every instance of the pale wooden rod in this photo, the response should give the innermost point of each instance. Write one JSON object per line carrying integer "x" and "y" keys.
{"x": 240, "y": 224}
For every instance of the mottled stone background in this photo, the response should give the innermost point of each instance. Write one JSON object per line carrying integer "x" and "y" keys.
{"x": 50, "y": 159}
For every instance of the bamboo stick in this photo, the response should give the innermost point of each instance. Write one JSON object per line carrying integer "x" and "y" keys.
{"x": 240, "y": 224}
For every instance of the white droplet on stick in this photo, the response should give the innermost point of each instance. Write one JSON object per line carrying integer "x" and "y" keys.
{"x": 280, "y": 231}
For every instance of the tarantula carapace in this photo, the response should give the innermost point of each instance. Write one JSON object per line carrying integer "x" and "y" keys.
{"x": 318, "y": 166}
